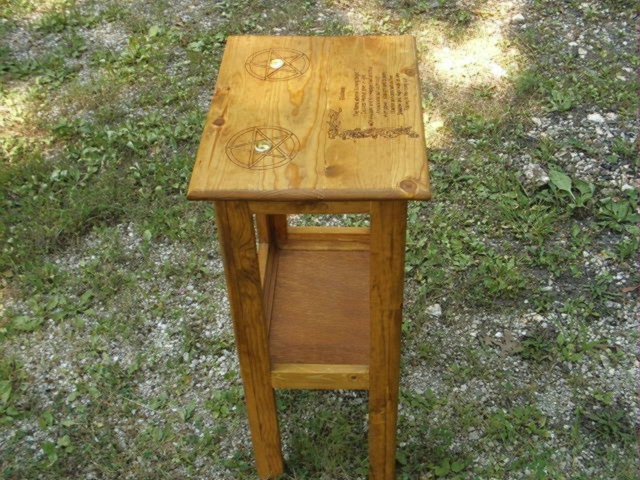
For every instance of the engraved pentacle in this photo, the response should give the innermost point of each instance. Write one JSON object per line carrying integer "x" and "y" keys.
{"x": 262, "y": 148}
{"x": 277, "y": 64}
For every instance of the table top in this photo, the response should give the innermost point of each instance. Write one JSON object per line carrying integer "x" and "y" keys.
{"x": 314, "y": 118}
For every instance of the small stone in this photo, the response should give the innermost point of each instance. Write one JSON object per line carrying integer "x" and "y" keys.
{"x": 474, "y": 435}
{"x": 582, "y": 52}
{"x": 518, "y": 18}
{"x": 595, "y": 118}
{"x": 534, "y": 175}
{"x": 610, "y": 116}
{"x": 434, "y": 310}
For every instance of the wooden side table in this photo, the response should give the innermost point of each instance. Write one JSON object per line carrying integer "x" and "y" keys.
{"x": 315, "y": 125}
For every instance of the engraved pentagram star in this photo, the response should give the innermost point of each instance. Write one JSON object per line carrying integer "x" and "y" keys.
{"x": 262, "y": 148}
{"x": 277, "y": 64}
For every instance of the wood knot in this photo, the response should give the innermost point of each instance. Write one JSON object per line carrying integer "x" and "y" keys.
{"x": 408, "y": 185}
{"x": 409, "y": 71}
{"x": 218, "y": 122}
{"x": 332, "y": 171}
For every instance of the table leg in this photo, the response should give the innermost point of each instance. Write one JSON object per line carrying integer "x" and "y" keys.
{"x": 271, "y": 228}
{"x": 237, "y": 237}
{"x": 388, "y": 226}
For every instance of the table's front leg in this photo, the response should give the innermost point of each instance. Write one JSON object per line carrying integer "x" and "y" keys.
{"x": 388, "y": 226}
{"x": 237, "y": 238}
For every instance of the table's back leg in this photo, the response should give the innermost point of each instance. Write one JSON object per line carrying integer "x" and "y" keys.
{"x": 271, "y": 228}
{"x": 388, "y": 226}
{"x": 237, "y": 237}
{"x": 272, "y": 232}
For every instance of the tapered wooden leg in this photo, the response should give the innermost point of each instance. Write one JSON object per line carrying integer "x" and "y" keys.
{"x": 236, "y": 232}
{"x": 388, "y": 226}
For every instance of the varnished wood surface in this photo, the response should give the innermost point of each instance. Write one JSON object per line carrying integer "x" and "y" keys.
{"x": 320, "y": 312}
{"x": 341, "y": 118}
{"x": 326, "y": 233}
{"x": 327, "y": 238}
{"x": 320, "y": 376}
{"x": 388, "y": 226}
{"x": 236, "y": 234}
{"x": 300, "y": 207}
{"x": 272, "y": 230}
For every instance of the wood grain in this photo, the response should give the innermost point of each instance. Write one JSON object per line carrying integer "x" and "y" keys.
{"x": 271, "y": 228}
{"x": 300, "y": 207}
{"x": 320, "y": 376}
{"x": 236, "y": 235}
{"x": 320, "y": 312}
{"x": 388, "y": 226}
{"x": 346, "y": 234}
{"x": 341, "y": 118}
{"x": 327, "y": 238}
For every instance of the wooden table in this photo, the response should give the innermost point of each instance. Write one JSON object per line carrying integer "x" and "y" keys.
{"x": 315, "y": 125}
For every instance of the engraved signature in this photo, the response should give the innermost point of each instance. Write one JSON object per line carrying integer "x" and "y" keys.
{"x": 372, "y": 132}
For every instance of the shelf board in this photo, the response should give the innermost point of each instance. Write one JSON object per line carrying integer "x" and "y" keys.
{"x": 320, "y": 307}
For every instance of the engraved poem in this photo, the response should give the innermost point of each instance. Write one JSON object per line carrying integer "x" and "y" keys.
{"x": 379, "y": 93}
{"x": 375, "y": 101}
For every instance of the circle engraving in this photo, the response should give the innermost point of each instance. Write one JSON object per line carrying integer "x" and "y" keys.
{"x": 276, "y": 64}
{"x": 262, "y": 148}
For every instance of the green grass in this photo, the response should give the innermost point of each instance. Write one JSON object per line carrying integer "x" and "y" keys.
{"x": 118, "y": 354}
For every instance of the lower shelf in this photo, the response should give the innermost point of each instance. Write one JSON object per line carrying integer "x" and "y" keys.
{"x": 319, "y": 325}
